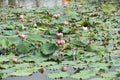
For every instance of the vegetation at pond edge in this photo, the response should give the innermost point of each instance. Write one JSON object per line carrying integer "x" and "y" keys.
{"x": 80, "y": 35}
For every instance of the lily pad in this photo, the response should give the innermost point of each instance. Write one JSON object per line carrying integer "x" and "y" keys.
{"x": 78, "y": 43}
{"x": 48, "y": 49}
{"x": 83, "y": 74}
{"x": 58, "y": 75}
{"x": 25, "y": 72}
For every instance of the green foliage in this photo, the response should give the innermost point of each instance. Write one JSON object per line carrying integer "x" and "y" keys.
{"x": 48, "y": 49}
{"x": 58, "y": 75}
{"x": 78, "y": 43}
{"x": 87, "y": 54}
{"x": 5, "y": 43}
{"x": 23, "y": 47}
{"x": 83, "y": 74}
{"x": 108, "y": 9}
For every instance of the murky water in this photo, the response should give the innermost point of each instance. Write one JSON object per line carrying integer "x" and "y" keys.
{"x": 31, "y": 3}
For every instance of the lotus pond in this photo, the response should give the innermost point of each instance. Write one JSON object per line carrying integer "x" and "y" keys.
{"x": 79, "y": 41}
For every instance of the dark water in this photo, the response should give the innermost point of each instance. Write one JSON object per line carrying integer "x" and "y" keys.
{"x": 31, "y": 3}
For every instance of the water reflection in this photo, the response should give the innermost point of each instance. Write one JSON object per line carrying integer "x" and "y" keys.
{"x": 31, "y": 3}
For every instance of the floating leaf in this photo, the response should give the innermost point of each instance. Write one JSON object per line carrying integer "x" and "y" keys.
{"x": 58, "y": 75}
{"x": 5, "y": 43}
{"x": 78, "y": 43}
{"x": 112, "y": 75}
{"x": 108, "y": 8}
{"x": 68, "y": 63}
{"x": 49, "y": 48}
{"x": 25, "y": 72}
{"x": 36, "y": 37}
{"x": 92, "y": 48}
{"x": 45, "y": 64}
{"x": 3, "y": 59}
{"x": 80, "y": 66}
{"x": 23, "y": 47}
{"x": 83, "y": 74}
{"x": 100, "y": 79}
{"x": 55, "y": 67}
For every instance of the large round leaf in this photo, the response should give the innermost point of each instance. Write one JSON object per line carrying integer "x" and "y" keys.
{"x": 23, "y": 47}
{"x": 78, "y": 43}
{"x": 49, "y": 48}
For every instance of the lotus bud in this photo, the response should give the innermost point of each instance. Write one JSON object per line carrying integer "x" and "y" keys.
{"x": 56, "y": 15}
{"x": 66, "y": 23}
{"x": 22, "y": 36}
{"x": 59, "y": 35}
{"x": 62, "y": 42}
{"x": 85, "y": 28}
{"x": 64, "y": 68}
{"x": 14, "y": 59}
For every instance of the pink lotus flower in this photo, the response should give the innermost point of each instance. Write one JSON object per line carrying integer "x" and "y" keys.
{"x": 61, "y": 13}
{"x": 22, "y": 36}
{"x": 60, "y": 42}
{"x": 56, "y": 15}
{"x": 65, "y": 2}
{"x": 59, "y": 35}
{"x": 85, "y": 28}
{"x": 14, "y": 59}
{"x": 66, "y": 23}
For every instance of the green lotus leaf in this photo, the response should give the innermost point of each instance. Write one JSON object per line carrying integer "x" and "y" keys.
{"x": 68, "y": 63}
{"x": 45, "y": 64}
{"x": 14, "y": 39}
{"x": 100, "y": 79}
{"x": 78, "y": 43}
{"x": 3, "y": 59}
{"x": 80, "y": 66}
{"x": 112, "y": 75}
{"x": 55, "y": 67}
{"x": 25, "y": 72}
{"x": 9, "y": 32}
{"x": 48, "y": 48}
{"x": 92, "y": 48}
{"x": 108, "y": 8}
{"x": 58, "y": 75}
{"x": 83, "y": 74}
{"x": 36, "y": 37}
{"x": 23, "y": 47}
{"x": 5, "y": 43}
